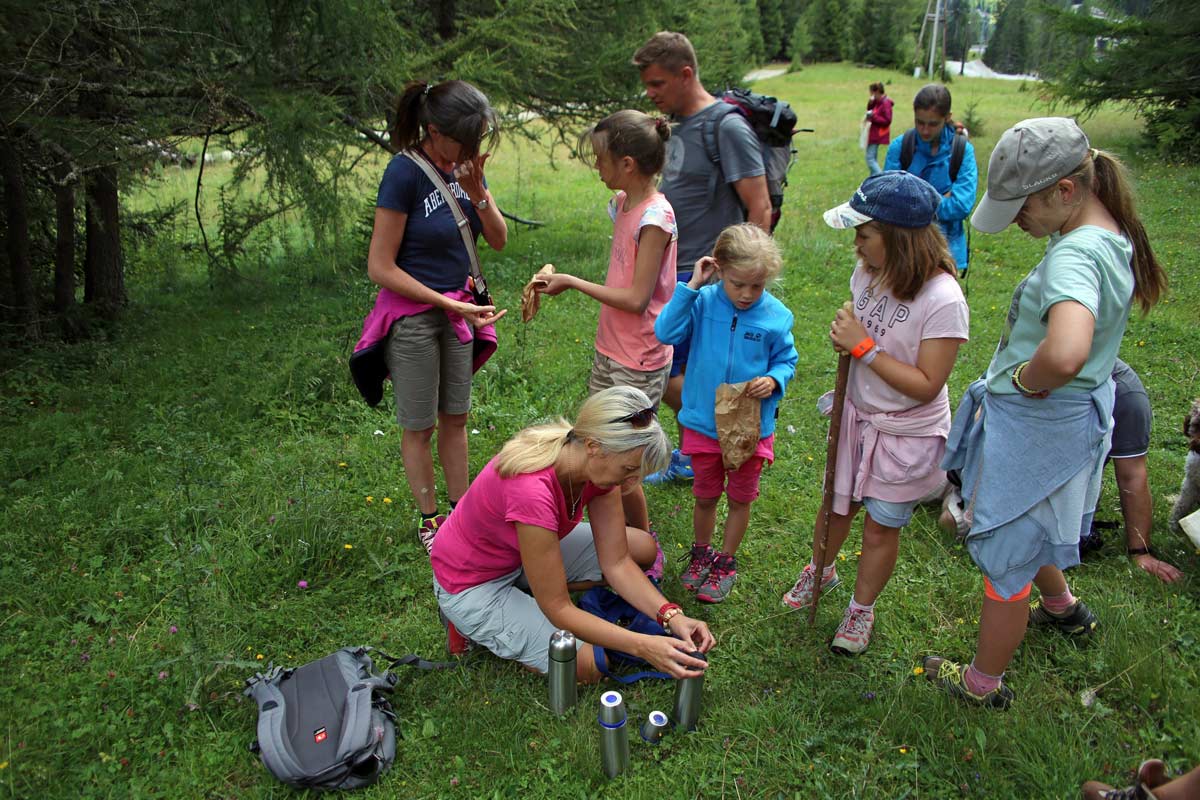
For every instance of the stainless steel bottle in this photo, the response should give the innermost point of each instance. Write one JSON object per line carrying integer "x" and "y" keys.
{"x": 655, "y": 727}
{"x": 614, "y": 734}
{"x": 688, "y": 694}
{"x": 563, "y": 688}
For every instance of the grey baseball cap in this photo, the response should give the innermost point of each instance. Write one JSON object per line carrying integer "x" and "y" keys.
{"x": 1030, "y": 156}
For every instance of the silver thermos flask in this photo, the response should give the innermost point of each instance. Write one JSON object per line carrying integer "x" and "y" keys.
{"x": 655, "y": 727}
{"x": 563, "y": 688}
{"x": 614, "y": 735}
{"x": 688, "y": 693}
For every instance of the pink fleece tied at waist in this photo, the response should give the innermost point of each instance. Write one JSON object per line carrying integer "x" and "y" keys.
{"x": 390, "y": 307}
{"x": 892, "y": 457}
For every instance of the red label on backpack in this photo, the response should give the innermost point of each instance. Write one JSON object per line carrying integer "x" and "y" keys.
{"x": 320, "y": 735}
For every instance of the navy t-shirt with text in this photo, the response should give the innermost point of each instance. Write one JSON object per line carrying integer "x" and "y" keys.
{"x": 432, "y": 250}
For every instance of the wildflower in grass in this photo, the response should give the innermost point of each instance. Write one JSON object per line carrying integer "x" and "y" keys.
{"x": 258, "y": 657}
{"x": 342, "y": 464}
{"x": 173, "y": 630}
{"x": 271, "y": 520}
{"x": 348, "y": 546}
{"x": 841, "y": 556}
{"x": 301, "y": 584}
{"x": 85, "y": 657}
{"x": 858, "y": 552}
{"x": 903, "y": 751}
{"x": 1141, "y": 342}
{"x": 868, "y": 695}
{"x": 918, "y": 670}
{"x": 370, "y": 499}
{"x": 163, "y": 675}
{"x": 387, "y": 501}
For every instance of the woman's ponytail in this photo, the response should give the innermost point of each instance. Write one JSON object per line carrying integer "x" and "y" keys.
{"x": 406, "y": 118}
{"x": 1111, "y": 185}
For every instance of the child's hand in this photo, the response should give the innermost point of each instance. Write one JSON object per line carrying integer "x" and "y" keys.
{"x": 706, "y": 267}
{"x": 554, "y": 284}
{"x": 846, "y": 331}
{"x": 479, "y": 316}
{"x": 761, "y": 388}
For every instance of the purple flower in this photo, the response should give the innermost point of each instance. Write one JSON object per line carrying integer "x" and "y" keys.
{"x": 85, "y": 657}
{"x": 172, "y": 630}
{"x": 302, "y": 584}
{"x": 162, "y": 676}
{"x": 271, "y": 519}
{"x": 868, "y": 695}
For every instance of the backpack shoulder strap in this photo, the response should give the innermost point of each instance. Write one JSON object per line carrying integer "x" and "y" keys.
{"x": 601, "y": 657}
{"x": 958, "y": 149}
{"x": 908, "y": 146}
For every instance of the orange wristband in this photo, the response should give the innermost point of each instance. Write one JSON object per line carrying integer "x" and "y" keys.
{"x": 862, "y": 347}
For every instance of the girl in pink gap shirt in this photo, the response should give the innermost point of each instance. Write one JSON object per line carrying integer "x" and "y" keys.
{"x": 904, "y": 330}
{"x": 629, "y": 149}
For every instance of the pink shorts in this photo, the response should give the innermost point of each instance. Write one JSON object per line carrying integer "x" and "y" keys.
{"x": 711, "y": 477}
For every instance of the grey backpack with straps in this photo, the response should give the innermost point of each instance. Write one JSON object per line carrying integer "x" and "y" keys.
{"x": 329, "y": 724}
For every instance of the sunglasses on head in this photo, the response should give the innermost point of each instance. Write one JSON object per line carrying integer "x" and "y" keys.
{"x": 639, "y": 419}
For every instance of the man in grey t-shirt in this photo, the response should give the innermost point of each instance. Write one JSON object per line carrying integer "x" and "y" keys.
{"x": 707, "y": 196}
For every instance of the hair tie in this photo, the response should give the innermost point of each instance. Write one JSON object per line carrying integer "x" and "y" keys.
{"x": 428, "y": 86}
{"x": 570, "y": 435}
{"x": 1095, "y": 154}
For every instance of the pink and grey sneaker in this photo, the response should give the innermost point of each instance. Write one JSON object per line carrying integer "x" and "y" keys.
{"x": 854, "y": 634}
{"x": 428, "y": 529}
{"x": 655, "y": 572}
{"x": 801, "y": 594}
{"x": 719, "y": 583}
{"x": 456, "y": 643}
{"x": 699, "y": 562}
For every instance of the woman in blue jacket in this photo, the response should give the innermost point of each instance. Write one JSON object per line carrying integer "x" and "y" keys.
{"x": 739, "y": 333}
{"x": 935, "y": 133}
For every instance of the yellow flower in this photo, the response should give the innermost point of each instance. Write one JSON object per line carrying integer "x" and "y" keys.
{"x": 370, "y": 499}
{"x": 348, "y": 546}
{"x": 858, "y": 552}
{"x": 258, "y": 657}
{"x": 342, "y": 464}
{"x": 387, "y": 501}
{"x": 842, "y": 556}
{"x": 959, "y": 621}
{"x": 918, "y": 670}
{"x": 810, "y": 458}
{"x": 903, "y": 751}
{"x": 3, "y": 765}
{"x": 1141, "y": 342}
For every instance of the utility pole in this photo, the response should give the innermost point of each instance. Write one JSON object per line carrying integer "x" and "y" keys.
{"x": 937, "y": 10}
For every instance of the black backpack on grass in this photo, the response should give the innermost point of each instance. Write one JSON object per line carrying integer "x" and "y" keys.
{"x": 329, "y": 724}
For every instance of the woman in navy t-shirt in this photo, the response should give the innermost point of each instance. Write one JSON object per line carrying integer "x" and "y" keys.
{"x": 421, "y": 264}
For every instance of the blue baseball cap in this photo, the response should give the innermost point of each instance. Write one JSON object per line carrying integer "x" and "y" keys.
{"x": 896, "y": 197}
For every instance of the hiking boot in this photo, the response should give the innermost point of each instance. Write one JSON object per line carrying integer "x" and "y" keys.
{"x": 854, "y": 634}
{"x": 680, "y": 469}
{"x": 953, "y": 518}
{"x": 655, "y": 572}
{"x": 456, "y": 643}
{"x": 801, "y": 594}
{"x": 1151, "y": 774}
{"x": 720, "y": 580}
{"x": 1079, "y": 621}
{"x": 428, "y": 529}
{"x": 700, "y": 559}
{"x": 948, "y": 676}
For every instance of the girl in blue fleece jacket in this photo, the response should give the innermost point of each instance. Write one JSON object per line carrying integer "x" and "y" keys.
{"x": 739, "y": 332}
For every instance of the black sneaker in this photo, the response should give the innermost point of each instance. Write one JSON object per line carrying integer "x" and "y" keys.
{"x": 1079, "y": 621}
{"x": 948, "y": 675}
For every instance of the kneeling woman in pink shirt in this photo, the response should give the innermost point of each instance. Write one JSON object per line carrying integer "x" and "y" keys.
{"x": 505, "y": 562}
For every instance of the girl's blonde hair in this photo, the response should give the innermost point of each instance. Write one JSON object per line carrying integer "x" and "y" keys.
{"x": 1103, "y": 174}
{"x": 745, "y": 247}
{"x": 612, "y": 418}
{"x": 628, "y": 133}
{"x": 911, "y": 257}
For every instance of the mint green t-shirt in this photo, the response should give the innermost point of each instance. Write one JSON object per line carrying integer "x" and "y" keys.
{"x": 1089, "y": 265}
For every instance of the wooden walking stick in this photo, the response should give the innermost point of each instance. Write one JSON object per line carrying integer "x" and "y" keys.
{"x": 831, "y": 448}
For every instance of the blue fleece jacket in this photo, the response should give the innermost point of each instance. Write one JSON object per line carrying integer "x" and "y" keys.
{"x": 729, "y": 345}
{"x": 936, "y": 170}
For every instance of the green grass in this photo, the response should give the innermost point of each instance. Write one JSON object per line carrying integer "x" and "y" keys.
{"x": 184, "y": 473}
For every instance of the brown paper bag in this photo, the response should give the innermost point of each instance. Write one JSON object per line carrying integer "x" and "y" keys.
{"x": 531, "y": 299}
{"x": 739, "y": 423}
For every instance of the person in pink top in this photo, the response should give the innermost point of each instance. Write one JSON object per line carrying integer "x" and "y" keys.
{"x": 903, "y": 330}
{"x": 629, "y": 149}
{"x": 507, "y": 559}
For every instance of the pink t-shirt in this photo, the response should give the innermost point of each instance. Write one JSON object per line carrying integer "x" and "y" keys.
{"x": 629, "y": 338}
{"x": 478, "y": 542}
{"x": 939, "y": 311}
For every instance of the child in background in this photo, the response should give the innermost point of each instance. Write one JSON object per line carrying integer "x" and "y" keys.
{"x": 629, "y": 149}
{"x": 909, "y": 318}
{"x": 739, "y": 332}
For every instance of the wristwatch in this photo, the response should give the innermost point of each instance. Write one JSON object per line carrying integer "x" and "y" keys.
{"x": 482, "y": 204}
